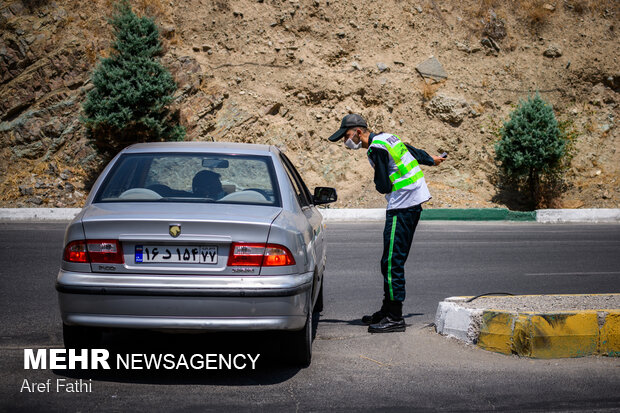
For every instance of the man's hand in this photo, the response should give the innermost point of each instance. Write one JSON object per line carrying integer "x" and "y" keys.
{"x": 438, "y": 159}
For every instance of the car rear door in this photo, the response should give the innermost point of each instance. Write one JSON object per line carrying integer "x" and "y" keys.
{"x": 311, "y": 213}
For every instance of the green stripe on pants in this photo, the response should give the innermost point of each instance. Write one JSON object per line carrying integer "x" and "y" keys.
{"x": 390, "y": 258}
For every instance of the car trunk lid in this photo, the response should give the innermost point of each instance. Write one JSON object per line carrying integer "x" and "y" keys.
{"x": 176, "y": 238}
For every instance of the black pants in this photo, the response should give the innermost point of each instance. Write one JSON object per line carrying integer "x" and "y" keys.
{"x": 400, "y": 225}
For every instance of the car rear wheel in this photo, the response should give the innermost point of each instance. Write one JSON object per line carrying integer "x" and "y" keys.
{"x": 301, "y": 344}
{"x": 80, "y": 337}
{"x": 318, "y": 306}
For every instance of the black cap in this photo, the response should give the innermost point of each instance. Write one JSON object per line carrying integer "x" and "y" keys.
{"x": 350, "y": 121}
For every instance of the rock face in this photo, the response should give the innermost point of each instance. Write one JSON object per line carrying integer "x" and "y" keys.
{"x": 284, "y": 73}
{"x": 44, "y": 76}
{"x": 47, "y": 52}
{"x": 449, "y": 109}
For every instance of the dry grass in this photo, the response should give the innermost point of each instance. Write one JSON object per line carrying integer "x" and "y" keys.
{"x": 92, "y": 52}
{"x": 481, "y": 8}
{"x": 209, "y": 87}
{"x": 9, "y": 187}
{"x": 428, "y": 88}
{"x": 537, "y": 12}
{"x": 28, "y": 172}
{"x": 96, "y": 28}
{"x": 157, "y": 9}
{"x": 534, "y": 11}
{"x": 601, "y": 7}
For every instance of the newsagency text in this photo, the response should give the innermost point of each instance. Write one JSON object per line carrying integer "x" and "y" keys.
{"x": 93, "y": 359}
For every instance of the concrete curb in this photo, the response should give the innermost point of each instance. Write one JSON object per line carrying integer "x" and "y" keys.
{"x": 543, "y": 335}
{"x": 484, "y": 214}
{"x": 577, "y": 215}
{"x": 377, "y": 214}
{"x": 440, "y": 214}
{"x": 38, "y": 214}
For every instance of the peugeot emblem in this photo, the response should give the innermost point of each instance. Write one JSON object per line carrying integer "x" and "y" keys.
{"x": 175, "y": 230}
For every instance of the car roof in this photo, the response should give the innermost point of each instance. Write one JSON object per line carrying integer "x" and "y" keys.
{"x": 189, "y": 147}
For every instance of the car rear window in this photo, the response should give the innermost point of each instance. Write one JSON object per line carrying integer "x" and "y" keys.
{"x": 205, "y": 177}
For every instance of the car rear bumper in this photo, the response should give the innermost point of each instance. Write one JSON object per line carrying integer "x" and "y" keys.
{"x": 184, "y": 302}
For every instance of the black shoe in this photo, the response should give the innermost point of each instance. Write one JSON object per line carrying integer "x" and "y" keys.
{"x": 388, "y": 325}
{"x": 373, "y": 319}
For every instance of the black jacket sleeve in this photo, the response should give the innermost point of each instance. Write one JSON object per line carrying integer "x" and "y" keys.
{"x": 421, "y": 156}
{"x": 381, "y": 161}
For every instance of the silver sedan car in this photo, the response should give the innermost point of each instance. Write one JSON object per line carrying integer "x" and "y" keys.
{"x": 196, "y": 236}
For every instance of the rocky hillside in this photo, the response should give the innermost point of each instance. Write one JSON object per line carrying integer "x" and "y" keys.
{"x": 285, "y": 72}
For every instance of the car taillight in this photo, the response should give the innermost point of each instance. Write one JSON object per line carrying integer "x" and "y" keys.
{"x": 246, "y": 254}
{"x": 94, "y": 250}
{"x": 276, "y": 255}
{"x": 75, "y": 251}
{"x": 105, "y": 251}
{"x": 254, "y": 255}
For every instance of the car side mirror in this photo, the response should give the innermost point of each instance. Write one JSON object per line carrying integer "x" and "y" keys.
{"x": 324, "y": 195}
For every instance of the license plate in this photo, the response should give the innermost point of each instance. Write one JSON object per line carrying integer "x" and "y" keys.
{"x": 197, "y": 254}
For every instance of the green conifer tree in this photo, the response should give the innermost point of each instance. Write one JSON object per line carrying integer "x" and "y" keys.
{"x": 531, "y": 147}
{"x": 129, "y": 102}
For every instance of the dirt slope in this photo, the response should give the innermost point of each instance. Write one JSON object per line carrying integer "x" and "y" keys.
{"x": 285, "y": 72}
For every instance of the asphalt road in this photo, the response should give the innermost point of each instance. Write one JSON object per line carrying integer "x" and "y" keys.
{"x": 351, "y": 369}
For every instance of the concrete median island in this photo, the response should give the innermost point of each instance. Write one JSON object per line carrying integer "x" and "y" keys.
{"x": 537, "y": 326}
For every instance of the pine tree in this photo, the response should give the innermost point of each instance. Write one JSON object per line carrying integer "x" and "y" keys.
{"x": 531, "y": 147}
{"x": 129, "y": 102}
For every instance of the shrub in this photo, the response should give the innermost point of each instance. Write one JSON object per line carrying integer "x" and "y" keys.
{"x": 534, "y": 149}
{"x": 129, "y": 102}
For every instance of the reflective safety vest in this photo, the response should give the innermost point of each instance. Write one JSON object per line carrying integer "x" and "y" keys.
{"x": 408, "y": 170}
{"x": 408, "y": 183}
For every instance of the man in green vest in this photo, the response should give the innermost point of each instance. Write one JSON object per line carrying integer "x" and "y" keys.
{"x": 398, "y": 175}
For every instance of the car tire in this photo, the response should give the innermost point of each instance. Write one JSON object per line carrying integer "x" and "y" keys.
{"x": 301, "y": 344}
{"x": 80, "y": 337}
{"x": 318, "y": 306}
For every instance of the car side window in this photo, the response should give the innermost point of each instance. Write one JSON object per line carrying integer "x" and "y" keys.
{"x": 303, "y": 195}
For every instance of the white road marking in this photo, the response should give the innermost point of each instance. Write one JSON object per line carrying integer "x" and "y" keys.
{"x": 576, "y": 273}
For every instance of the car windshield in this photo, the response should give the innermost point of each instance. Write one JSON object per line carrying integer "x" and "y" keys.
{"x": 204, "y": 177}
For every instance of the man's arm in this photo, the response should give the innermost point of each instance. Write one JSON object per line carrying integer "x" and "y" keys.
{"x": 380, "y": 161}
{"x": 422, "y": 156}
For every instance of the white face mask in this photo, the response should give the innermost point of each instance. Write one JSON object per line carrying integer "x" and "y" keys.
{"x": 352, "y": 145}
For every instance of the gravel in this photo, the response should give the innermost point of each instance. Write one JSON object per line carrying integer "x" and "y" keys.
{"x": 543, "y": 303}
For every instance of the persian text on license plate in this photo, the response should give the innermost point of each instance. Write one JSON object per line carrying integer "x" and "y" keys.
{"x": 197, "y": 254}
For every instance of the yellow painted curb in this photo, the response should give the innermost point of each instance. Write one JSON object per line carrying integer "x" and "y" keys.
{"x": 496, "y": 331}
{"x": 610, "y": 335}
{"x": 551, "y": 335}
{"x": 563, "y": 335}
